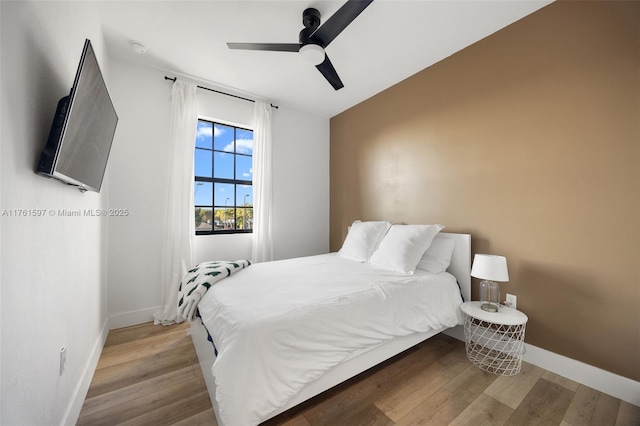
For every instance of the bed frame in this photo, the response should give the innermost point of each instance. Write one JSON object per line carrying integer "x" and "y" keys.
{"x": 358, "y": 362}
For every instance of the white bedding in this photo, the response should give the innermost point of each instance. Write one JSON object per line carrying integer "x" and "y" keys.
{"x": 279, "y": 325}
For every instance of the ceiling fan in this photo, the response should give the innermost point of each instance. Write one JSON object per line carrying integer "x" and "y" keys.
{"x": 314, "y": 38}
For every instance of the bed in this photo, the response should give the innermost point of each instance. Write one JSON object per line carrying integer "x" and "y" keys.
{"x": 287, "y": 342}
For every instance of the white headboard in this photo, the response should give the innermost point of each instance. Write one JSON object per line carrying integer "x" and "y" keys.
{"x": 460, "y": 266}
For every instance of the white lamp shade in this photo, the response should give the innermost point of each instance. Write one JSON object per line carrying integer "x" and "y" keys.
{"x": 312, "y": 54}
{"x": 490, "y": 267}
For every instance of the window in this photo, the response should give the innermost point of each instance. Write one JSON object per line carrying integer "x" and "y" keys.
{"x": 223, "y": 189}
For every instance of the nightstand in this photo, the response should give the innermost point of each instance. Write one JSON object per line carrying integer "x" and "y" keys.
{"x": 494, "y": 340}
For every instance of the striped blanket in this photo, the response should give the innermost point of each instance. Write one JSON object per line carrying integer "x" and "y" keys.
{"x": 198, "y": 280}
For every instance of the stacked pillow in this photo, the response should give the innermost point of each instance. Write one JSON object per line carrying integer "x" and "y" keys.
{"x": 363, "y": 239}
{"x": 400, "y": 248}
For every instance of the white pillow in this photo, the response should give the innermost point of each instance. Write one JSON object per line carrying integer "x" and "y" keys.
{"x": 362, "y": 239}
{"x": 437, "y": 258}
{"x": 403, "y": 246}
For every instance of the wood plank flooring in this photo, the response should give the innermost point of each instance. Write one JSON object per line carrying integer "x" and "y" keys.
{"x": 149, "y": 375}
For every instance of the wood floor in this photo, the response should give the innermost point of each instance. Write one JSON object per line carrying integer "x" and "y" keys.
{"x": 149, "y": 375}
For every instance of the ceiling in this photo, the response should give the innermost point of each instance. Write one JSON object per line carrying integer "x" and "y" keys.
{"x": 390, "y": 41}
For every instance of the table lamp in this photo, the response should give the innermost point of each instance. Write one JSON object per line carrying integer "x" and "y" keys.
{"x": 490, "y": 269}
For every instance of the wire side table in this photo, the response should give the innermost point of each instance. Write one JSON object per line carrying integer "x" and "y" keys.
{"x": 494, "y": 341}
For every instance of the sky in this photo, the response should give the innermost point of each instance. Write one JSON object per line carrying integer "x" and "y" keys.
{"x": 220, "y": 138}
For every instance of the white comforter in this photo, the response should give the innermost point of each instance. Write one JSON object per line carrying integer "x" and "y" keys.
{"x": 279, "y": 325}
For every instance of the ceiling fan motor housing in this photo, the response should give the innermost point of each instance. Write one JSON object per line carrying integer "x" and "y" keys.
{"x": 311, "y": 22}
{"x": 311, "y": 18}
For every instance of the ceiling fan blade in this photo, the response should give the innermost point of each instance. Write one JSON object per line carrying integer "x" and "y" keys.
{"x": 339, "y": 21}
{"x": 274, "y": 47}
{"x": 329, "y": 72}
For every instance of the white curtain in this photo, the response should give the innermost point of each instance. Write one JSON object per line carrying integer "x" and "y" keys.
{"x": 179, "y": 232}
{"x": 262, "y": 249}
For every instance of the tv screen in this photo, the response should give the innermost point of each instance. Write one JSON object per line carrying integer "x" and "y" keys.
{"x": 82, "y": 131}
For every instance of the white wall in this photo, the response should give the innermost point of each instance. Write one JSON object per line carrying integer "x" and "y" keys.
{"x": 138, "y": 182}
{"x": 300, "y": 184}
{"x": 53, "y": 268}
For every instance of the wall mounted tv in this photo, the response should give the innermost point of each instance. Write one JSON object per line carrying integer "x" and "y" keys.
{"x": 82, "y": 131}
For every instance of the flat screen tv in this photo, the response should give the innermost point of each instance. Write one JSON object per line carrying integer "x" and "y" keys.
{"x": 82, "y": 131}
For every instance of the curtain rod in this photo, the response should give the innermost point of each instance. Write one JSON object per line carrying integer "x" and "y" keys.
{"x": 222, "y": 93}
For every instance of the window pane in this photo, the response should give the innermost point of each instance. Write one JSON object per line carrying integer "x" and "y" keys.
{"x": 244, "y": 141}
{"x": 202, "y": 193}
{"x": 204, "y": 134}
{"x": 203, "y": 219}
{"x": 244, "y": 218}
{"x": 223, "y": 165}
{"x": 223, "y": 138}
{"x": 202, "y": 163}
{"x": 224, "y": 219}
{"x": 225, "y": 195}
{"x": 244, "y": 167}
{"x": 245, "y": 195}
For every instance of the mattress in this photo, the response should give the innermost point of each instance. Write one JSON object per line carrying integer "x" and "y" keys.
{"x": 280, "y": 325}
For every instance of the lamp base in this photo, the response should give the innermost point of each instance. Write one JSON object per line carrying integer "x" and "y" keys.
{"x": 489, "y": 307}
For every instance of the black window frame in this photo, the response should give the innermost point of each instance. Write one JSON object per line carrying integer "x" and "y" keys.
{"x": 213, "y": 180}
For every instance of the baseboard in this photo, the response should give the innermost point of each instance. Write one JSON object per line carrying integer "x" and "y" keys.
{"x": 73, "y": 410}
{"x": 126, "y": 319}
{"x": 588, "y": 375}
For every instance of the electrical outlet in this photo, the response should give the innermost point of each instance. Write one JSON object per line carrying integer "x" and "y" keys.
{"x": 512, "y": 301}
{"x": 63, "y": 359}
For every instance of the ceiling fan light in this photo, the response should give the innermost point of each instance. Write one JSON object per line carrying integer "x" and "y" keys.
{"x": 312, "y": 54}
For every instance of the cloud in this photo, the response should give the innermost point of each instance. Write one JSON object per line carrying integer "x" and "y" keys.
{"x": 243, "y": 146}
{"x": 204, "y": 132}
{"x": 207, "y": 131}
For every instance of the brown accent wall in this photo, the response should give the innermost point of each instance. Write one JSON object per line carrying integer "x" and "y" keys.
{"x": 529, "y": 140}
